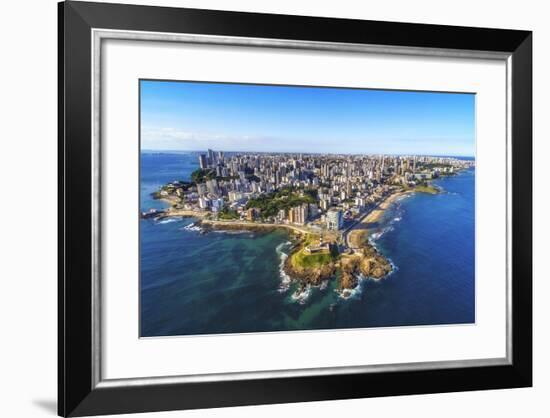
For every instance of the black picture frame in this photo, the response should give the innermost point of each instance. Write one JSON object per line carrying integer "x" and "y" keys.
{"x": 77, "y": 393}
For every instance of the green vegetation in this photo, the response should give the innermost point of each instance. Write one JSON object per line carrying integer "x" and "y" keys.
{"x": 285, "y": 198}
{"x": 227, "y": 214}
{"x": 201, "y": 175}
{"x": 426, "y": 188}
{"x": 171, "y": 189}
{"x": 301, "y": 259}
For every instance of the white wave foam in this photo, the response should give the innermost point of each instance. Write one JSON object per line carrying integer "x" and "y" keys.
{"x": 285, "y": 278}
{"x": 282, "y": 245}
{"x": 377, "y": 235}
{"x": 192, "y": 227}
{"x": 394, "y": 268}
{"x": 301, "y": 296}
{"x": 355, "y": 292}
{"x": 403, "y": 197}
{"x": 163, "y": 221}
{"x": 361, "y": 279}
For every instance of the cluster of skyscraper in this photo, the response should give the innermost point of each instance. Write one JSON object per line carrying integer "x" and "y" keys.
{"x": 344, "y": 185}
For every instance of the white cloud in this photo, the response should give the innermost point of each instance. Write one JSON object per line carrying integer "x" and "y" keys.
{"x": 179, "y": 139}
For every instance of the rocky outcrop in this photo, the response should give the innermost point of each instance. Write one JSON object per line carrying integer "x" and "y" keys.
{"x": 310, "y": 275}
{"x": 367, "y": 262}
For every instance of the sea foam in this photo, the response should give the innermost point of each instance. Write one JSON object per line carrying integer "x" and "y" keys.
{"x": 169, "y": 220}
{"x": 192, "y": 227}
{"x": 301, "y": 296}
{"x": 285, "y": 278}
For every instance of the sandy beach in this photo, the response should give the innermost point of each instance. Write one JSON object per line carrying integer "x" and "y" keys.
{"x": 361, "y": 231}
{"x": 377, "y": 213}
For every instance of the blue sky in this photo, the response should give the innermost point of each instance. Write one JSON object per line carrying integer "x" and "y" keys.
{"x": 247, "y": 117}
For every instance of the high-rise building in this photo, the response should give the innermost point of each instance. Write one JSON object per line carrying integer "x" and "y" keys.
{"x": 304, "y": 213}
{"x": 298, "y": 214}
{"x": 334, "y": 219}
{"x": 202, "y": 161}
{"x": 348, "y": 188}
{"x": 211, "y": 158}
{"x": 291, "y": 215}
{"x": 212, "y": 186}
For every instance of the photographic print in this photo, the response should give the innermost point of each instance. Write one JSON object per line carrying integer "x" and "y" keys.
{"x": 270, "y": 208}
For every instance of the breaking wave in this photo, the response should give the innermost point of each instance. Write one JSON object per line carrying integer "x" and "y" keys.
{"x": 192, "y": 227}
{"x": 285, "y": 278}
{"x": 163, "y": 221}
{"x": 301, "y": 295}
{"x": 377, "y": 235}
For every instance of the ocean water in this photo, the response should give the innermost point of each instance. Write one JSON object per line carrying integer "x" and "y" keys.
{"x": 230, "y": 282}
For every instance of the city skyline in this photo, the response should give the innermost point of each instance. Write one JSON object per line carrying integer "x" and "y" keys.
{"x": 227, "y": 151}
{"x": 194, "y": 116}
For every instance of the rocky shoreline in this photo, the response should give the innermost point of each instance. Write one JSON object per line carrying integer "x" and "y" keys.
{"x": 366, "y": 262}
{"x": 210, "y": 224}
{"x": 312, "y": 275}
{"x": 346, "y": 268}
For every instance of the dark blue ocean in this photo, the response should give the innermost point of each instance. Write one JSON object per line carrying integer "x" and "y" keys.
{"x": 223, "y": 282}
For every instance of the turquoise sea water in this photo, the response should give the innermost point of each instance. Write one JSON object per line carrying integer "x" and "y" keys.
{"x": 226, "y": 282}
